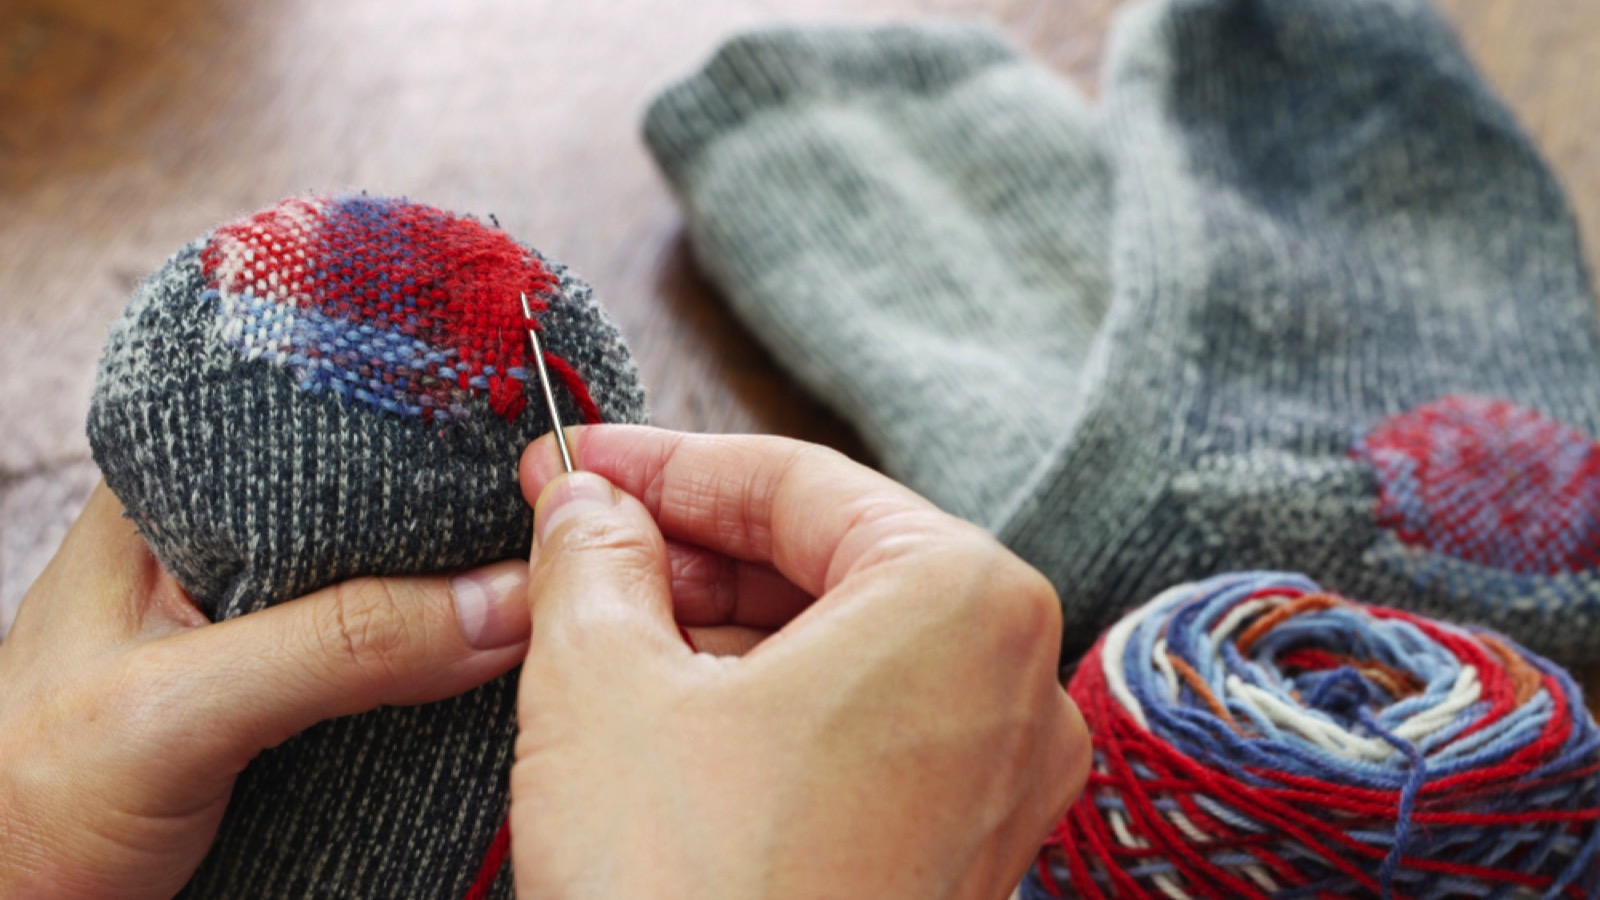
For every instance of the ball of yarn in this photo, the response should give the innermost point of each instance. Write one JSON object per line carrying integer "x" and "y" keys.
{"x": 1257, "y": 736}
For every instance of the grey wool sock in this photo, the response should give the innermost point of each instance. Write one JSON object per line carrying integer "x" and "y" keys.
{"x": 885, "y": 209}
{"x": 335, "y": 387}
{"x": 1347, "y": 330}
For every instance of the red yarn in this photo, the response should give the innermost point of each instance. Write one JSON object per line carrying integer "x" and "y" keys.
{"x": 398, "y": 305}
{"x": 575, "y": 386}
{"x": 1489, "y": 482}
{"x": 495, "y": 859}
{"x": 1139, "y": 813}
{"x": 492, "y": 862}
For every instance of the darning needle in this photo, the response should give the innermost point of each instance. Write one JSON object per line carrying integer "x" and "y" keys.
{"x": 544, "y": 385}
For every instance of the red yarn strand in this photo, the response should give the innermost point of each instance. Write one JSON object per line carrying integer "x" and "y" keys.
{"x": 575, "y": 386}
{"x": 500, "y": 848}
{"x": 1159, "y": 814}
{"x": 493, "y": 862}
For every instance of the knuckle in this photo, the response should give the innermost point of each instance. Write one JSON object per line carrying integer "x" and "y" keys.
{"x": 778, "y": 447}
{"x": 1062, "y": 757}
{"x": 1020, "y": 606}
{"x": 802, "y": 454}
{"x": 620, "y": 545}
{"x": 742, "y": 498}
{"x": 364, "y": 627}
{"x": 901, "y": 533}
{"x": 1033, "y": 603}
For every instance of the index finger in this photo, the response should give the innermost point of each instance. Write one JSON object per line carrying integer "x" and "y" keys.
{"x": 809, "y": 511}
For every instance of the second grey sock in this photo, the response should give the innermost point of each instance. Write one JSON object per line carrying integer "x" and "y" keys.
{"x": 912, "y": 219}
{"x": 1351, "y": 335}
{"x": 1349, "y": 331}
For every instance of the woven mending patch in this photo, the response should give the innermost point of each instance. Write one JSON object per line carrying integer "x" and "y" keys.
{"x": 297, "y": 366}
{"x": 1489, "y": 482}
{"x": 404, "y": 307}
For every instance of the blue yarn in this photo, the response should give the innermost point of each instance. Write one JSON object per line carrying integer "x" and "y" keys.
{"x": 1426, "y": 721}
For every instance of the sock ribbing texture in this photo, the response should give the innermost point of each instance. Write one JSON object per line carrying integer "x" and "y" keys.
{"x": 335, "y": 387}
{"x": 1337, "y": 322}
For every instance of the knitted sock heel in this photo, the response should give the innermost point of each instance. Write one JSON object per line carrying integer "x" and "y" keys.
{"x": 913, "y": 220}
{"x": 336, "y": 387}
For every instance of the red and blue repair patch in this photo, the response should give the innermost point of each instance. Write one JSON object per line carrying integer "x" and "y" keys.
{"x": 1489, "y": 482}
{"x": 404, "y": 307}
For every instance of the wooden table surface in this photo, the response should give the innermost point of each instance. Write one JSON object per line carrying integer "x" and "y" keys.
{"x": 128, "y": 127}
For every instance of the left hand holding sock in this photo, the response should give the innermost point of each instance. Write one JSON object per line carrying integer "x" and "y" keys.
{"x": 123, "y": 722}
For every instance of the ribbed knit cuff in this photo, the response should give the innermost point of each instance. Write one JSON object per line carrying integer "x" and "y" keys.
{"x": 784, "y": 67}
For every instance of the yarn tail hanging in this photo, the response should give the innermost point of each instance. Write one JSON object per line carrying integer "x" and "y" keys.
{"x": 1257, "y": 736}
{"x": 494, "y": 861}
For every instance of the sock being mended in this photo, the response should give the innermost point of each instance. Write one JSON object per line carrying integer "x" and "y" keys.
{"x": 1301, "y": 297}
{"x": 336, "y": 387}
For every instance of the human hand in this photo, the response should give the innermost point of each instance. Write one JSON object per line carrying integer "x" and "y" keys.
{"x": 125, "y": 716}
{"x": 904, "y": 735}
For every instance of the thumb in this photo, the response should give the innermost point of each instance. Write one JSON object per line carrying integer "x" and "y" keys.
{"x": 346, "y": 649}
{"x": 601, "y": 582}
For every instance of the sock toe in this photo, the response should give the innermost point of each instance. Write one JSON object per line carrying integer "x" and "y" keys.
{"x": 336, "y": 387}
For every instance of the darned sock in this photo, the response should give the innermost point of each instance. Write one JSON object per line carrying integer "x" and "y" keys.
{"x": 1352, "y": 333}
{"x": 329, "y": 388}
{"x": 1349, "y": 330}
{"x": 913, "y": 220}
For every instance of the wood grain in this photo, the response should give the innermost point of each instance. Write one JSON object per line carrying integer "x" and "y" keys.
{"x": 128, "y": 128}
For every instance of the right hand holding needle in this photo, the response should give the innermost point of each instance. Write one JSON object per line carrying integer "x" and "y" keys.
{"x": 901, "y": 735}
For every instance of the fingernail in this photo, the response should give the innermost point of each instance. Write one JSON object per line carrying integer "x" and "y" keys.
{"x": 571, "y": 495}
{"x": 483, "y": 597}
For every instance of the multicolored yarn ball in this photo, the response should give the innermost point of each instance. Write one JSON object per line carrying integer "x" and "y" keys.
{"x": 1256, "y": 736}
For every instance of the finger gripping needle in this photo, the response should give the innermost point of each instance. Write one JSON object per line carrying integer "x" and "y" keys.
{"x": 544, "y": 386}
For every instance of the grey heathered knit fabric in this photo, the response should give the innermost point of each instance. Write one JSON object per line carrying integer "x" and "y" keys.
{"x": 1343, "y": 326}
{"x": 253, "y": 488}
{"x": 885, "y": 208}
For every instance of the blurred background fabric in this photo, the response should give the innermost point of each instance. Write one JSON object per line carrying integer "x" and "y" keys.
{"x": 129, "y": 128}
